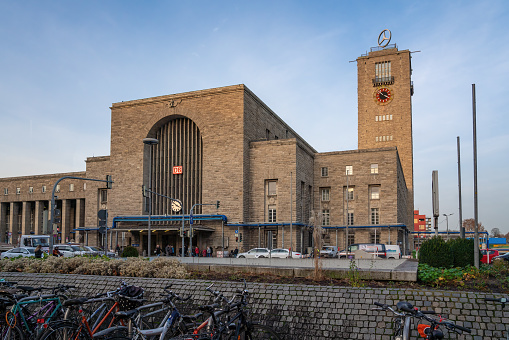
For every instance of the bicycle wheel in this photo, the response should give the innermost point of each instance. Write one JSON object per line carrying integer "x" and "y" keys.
{"x": 8, "y": 333}
{"x": 65, "y": 331}
{"x": 261, "y": 332}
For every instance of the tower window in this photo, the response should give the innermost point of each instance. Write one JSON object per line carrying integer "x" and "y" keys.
{"x": 383, "y": 74}
{"x": 325, "y": 172}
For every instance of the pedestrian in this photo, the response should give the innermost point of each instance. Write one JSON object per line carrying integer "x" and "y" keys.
{"x": 209, "y": 251}
{"x": 197, "y": 252}
{"x": 235, "y": 252}
{"x": 158, "y": 250}
{"x": 56, "y": 252}
{"x": 203, "y": 253}
{"x": 172, "y": 251}
{"x": 185, "y": 251}
{"x": 38, "y": 252}
{"x": 117, "y": 250}
{"x": 167, "y": 250}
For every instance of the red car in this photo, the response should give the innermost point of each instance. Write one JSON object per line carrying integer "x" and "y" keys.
{"x": 488, "y": 255}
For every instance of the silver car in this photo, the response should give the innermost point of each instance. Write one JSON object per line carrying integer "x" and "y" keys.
{"x": 284, "y": 254}
{"x": 16, "y": 252}
{"x": 256, "y": 253}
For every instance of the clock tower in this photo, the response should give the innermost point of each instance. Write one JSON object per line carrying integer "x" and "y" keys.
{"x": 385, "y": 92}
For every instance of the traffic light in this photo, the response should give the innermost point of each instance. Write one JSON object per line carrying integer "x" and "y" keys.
{"x": 183, "y": 233}
{"x": 217, "y": 204}
{"x": 192, "y": 233}
{"x": 144, "y": 190}
{"x": 240, "y": 237}
{"x": 109, "y": 182}
{"x": 236, "y": 238}
{"x": 57, "y": 218}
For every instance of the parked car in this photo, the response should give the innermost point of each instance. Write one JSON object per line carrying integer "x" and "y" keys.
{"x": 96, "y": 251}
{"x": 488, "y": 255}
{"x": 255, "y": 253}
{"x": 377, "y": 250}
{"x": 68, "y": 250}
{"x": 501, "y": 257}
{"x": 284, "y": 253}
{"x": 329, "y": 251}
{"x": 393, "y": 251}
{"x": 21, "y": 251}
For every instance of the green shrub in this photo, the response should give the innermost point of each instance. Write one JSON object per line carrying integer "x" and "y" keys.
{"x": 130, "y": 252}
{"x": 436, "y": 253}
{"x": 463, "y": 252}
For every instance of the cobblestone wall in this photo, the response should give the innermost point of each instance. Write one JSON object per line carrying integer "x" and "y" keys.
{"x": 313, "y": 312}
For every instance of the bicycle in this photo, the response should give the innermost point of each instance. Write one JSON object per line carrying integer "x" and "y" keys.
{"x": 222, "y": 325}
{"x": 430, "y": 332}
{"x": 78, "y": 326}
{"x": 503, "y": 301}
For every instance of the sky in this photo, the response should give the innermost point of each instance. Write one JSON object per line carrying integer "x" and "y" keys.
{"x": 63, "y": 63}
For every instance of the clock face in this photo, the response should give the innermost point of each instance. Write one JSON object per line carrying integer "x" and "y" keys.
{"x": 383, "y": 95}
{"x": 176, "y": 206}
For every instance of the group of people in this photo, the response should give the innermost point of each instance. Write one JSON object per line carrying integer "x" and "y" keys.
{"x": 170, "y": 251}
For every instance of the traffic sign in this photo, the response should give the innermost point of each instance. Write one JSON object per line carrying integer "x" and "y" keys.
{"x": 236, "y": 231}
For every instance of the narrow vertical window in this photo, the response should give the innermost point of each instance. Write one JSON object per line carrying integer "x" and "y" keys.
{"x": 57, "y": 189}
{"x": 71, "y": 187}
{"x": 350, "y": 218}
{"x": 375, "y": 193}
{"x": 30, "y": 190}
{"x": 349, "y": 170}
{"x": 43, "y": 189}
{"x": 18, "y": 191}
{"x": 374, "y": 168}
{"x": 325, "y": 172}
{"x": 325, "y": 217}
{"x": 272, "y": 213}
{"x": 6, "y": 191}
{"x": 325, "y": 194}
{"x": 271, "y": 188}
{"x": 375, "y": 216}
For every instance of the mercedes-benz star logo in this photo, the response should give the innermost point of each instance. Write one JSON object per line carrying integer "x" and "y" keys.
{"x": 383, "y": 37}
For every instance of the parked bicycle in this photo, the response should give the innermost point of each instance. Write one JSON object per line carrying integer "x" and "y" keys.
{"x": 406, "y": 313}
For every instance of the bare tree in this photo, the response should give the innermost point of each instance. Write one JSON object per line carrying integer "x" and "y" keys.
{"x": 495, "y": 232}
{"x": 315, "y": 221}
{"x": 469, "y": 225}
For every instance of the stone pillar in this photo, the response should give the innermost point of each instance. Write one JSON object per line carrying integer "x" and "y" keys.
{"x": 66, "y": 221}
{"x": 78, "y": 223}
{"x": 25, "y": 218}
{"x": 4, "y": 220}
{"x": 38, "y": 217}
{"x": 13, "y": 225}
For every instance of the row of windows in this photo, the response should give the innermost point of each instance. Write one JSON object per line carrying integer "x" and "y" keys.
{"x": 43, "y": 189}
{"x": 374, "y": 193}
{"x": 383, "y": 138}
{"x": 375, "y": 217}
{"x": 383, "y": 118}
{"x": 349, "y": 168}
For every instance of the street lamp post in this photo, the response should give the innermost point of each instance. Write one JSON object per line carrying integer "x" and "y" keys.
{"x": 150, "y": 142}
{"x": 447, "y": 221}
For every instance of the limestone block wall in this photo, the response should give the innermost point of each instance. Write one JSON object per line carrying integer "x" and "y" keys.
{"x": 313, "y": 312}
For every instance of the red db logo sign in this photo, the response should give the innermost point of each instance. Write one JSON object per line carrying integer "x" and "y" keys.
{"x": 177, "y": 170}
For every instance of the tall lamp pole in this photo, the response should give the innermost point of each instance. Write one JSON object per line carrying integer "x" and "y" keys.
{"x": 150, "y": 142}
{"x": 447, "y": 219}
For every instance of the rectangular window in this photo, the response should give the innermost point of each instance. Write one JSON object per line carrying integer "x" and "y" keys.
{"x": 104, "y": 196}
{"x": 71, "y": 187}
{"x": 18, "y": 191}
{"x": 376, "y": 118}
{"x": 349, "y": 170}
{"x": 57, "y": 188}
{"x": 325, "y": 172}
{"x": 325, "y": 217}
{"x": 375, "y": 237}
{"x": 43, "y": 190}
{"x": 272, "y": 213}
{"x": 30, "y": 190}
{"x": 350, "y": 218}
{"x": 376, "y": 139}
{"x": 349, "y": 193}
{"x": 325, "y": 194}
{"x": 390, "y": 117}
{"x": 85, "y": 186}
{"x": 375, "y": 193}
{"x": 272, "y": 188}
{"x": 267, "y": 134}
{"x": 351, "y": 237}
{"x": 375, "y": 216}
{"x": 383, "y": 71}
{"x": 6, "y": 191}
{"x": 374, "y": 168}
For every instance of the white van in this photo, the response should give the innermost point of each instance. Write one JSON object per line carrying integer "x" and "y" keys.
{"x": 329, "y": 251}
{"x": 393, "y": 251}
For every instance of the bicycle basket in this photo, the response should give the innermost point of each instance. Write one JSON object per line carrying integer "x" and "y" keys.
{"x": 130, "y": 297}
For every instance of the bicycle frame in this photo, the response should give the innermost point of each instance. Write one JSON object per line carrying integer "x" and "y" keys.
{"x": 51, "y": 308}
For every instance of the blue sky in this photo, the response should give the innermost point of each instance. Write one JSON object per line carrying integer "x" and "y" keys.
{"x": 63, "y": 63}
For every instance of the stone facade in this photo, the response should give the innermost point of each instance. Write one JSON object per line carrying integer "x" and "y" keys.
{"x": 226, "y": 145}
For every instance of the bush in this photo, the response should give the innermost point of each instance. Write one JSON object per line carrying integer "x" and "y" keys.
{"x": 130, "y": 252}
{"x": 463, "y": 252}
{"x": 435, "y": 252}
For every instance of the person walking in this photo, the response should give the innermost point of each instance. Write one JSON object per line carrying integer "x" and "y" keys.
{"x": 117, "y": 250}
{"x": 38, "y": 252}
{"x": 197, "y": 251}
{"x": 158, "y": 250}
{"x": 172, "y": 251}
{"x": 235, "y": 252}
{"x": 209, "y": 251}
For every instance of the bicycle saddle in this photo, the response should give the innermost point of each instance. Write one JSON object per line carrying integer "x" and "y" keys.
{"x": 74, "y": 302}
{"x": 405, "y": 306}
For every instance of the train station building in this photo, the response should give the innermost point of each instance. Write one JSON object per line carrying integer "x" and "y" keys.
{"x": 225, "y": 145}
